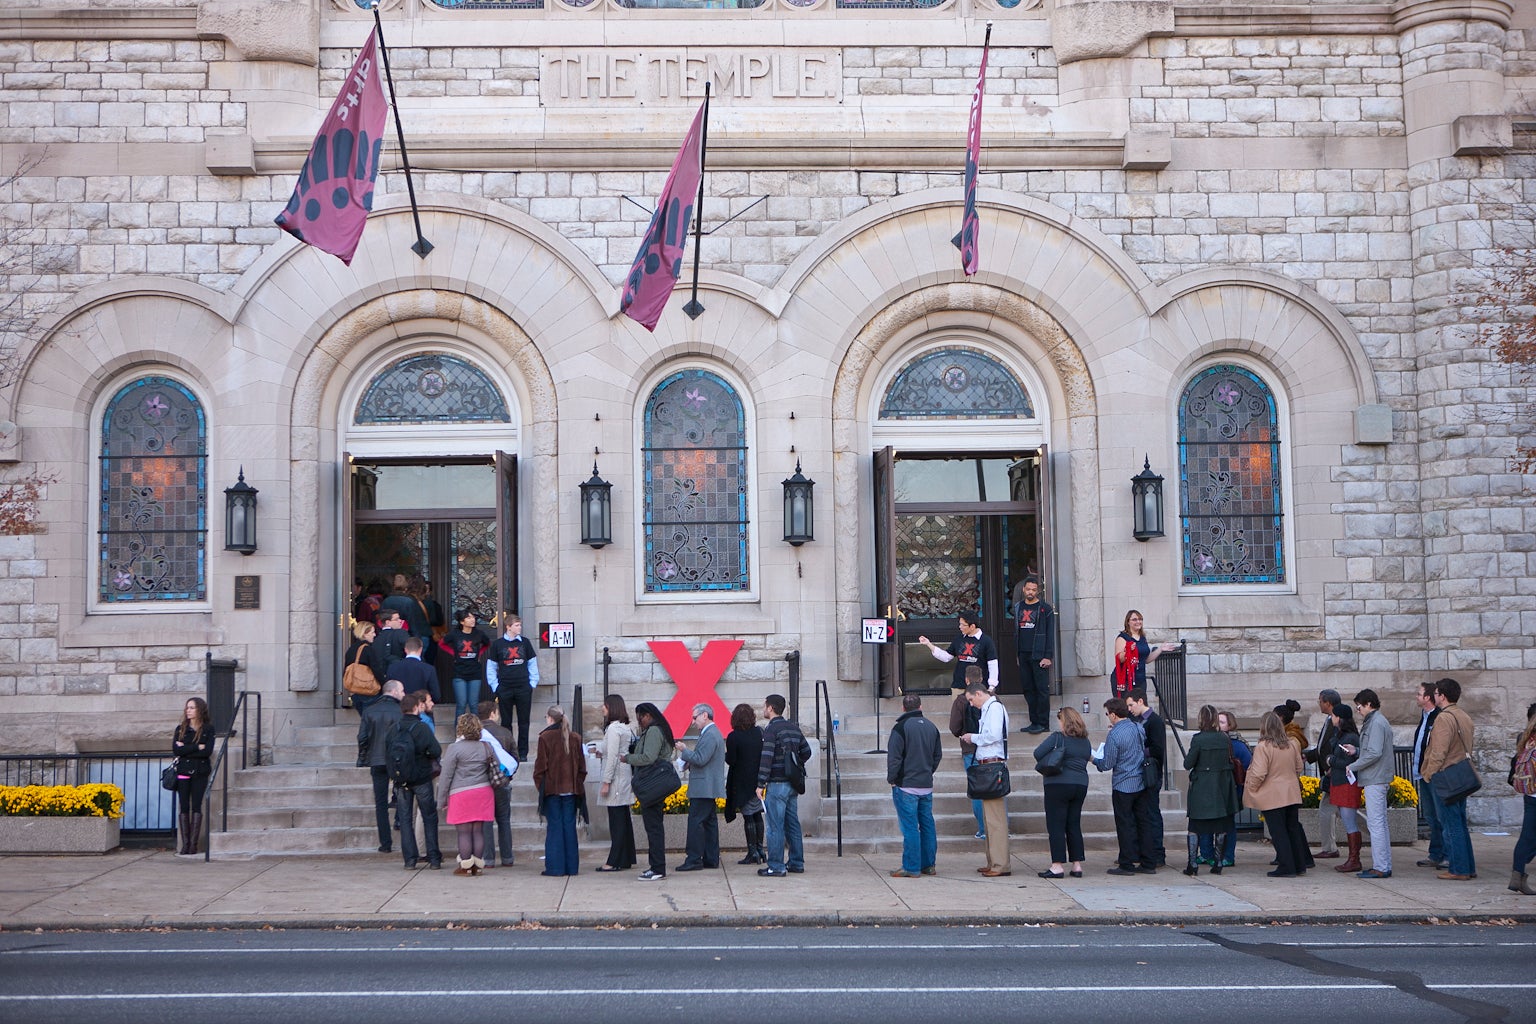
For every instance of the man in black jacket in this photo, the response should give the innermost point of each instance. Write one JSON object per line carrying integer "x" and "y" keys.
{"x": 418, "y": 790}
{"x": 912, "y": 755}
{"x": 781, "y": 800}
{"x": 373, "y": 730}
{"x": 414, "y": 673}
{"x": 1035, "y": 633}
{"x": 388, "y": 643}
{"x": 1156, "y": 731}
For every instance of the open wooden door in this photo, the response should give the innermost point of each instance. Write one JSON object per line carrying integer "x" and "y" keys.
{"x": 1043, "y": 540}
{"x": 887, "y": 678}
{"x": 506, "y": 537}
{"x": 345, "y": 497}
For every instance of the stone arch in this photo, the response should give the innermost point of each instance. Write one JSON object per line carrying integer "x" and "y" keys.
{"x": 315, "y": 410}
{"x": 1039, "y": 338}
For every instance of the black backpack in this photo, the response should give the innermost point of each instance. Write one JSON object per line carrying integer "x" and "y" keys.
{"x": 794, "y": 769}
{"x": 400, "y": 754}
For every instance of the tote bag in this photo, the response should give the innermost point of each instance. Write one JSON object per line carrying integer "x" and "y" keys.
{"x": 655, "y": 782}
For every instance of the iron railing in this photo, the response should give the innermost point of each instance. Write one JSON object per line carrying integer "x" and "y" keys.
{"x": 1167, "y": 675}
{"x": 146, "y": 807}
{"x": 831, "y": 771}
{"x": 607, "y": 660}
{"x": 240, "y": 710}
{"x": 793, "y": 657}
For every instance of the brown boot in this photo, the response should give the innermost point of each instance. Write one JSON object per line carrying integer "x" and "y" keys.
{"x": 185, "y": 820}
{"x": 1353, "y": 863}
{"x": 195, "y": 833}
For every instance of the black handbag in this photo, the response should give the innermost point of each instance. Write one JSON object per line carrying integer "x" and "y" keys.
{"x": 1151, "y": 774}
{"x": 655, "y": 782}
{"x": 1455, "y": 782}
{"x": 1050, "y": 762}
{"x": 988, "y": 781}
{"x": 168, "y": 777}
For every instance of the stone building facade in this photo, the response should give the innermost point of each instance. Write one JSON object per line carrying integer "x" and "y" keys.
{"x": 1299, "y": 203}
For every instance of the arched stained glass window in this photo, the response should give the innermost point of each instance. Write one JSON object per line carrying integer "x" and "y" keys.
{"x": 154, "y": 495}
{"x": 696, "y": 487}
{"x": 1229, "y": 479}
{"x": 955, "y": 383}
{"x": 431, "y": 388}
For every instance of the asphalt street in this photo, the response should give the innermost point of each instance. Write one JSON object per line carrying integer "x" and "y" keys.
{"x": 1360, "y": 974}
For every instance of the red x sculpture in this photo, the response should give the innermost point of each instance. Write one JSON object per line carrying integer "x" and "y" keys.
{"x": 696, "y": 680}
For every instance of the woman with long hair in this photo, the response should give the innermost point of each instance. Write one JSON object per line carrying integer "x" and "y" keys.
{"x": 1065, "y": 792}
{"x": 1342, "y": 793}
{"x": 1274, "y": 787}
{"x": 464, "y": 788}
{"x": 743, "y": 751}
{"x": 466, "y": 645}
{"x": 1226, "y": 857}
{"x": 617, "y": 793}
{"x": 1522, "y": 776}
{"x": 559, "y": 772}
{"x": 1132, "y": 656}
{"x": 654, "y": 744}
{"x": 192, "y": 746}
{"x": 1212, "y": 800}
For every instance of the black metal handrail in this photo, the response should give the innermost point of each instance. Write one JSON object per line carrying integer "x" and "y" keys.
{"x": 147, "y": 808}
{"x": 241, "y": 710}
{"x": 831, "y": 771}
{"x": 1172, "y": 701}
{"x": 607, "y": 660}
{"x": 793, "y": 657}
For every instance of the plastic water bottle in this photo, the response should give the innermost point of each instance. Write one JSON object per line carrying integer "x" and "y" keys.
{"x": 837, "y": 723}
{"x": 1085, "y": 707}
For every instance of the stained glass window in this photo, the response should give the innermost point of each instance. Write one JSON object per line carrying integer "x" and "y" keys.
{"x": 154, "y": 495}
{"x": 431, "y": 388}
{"x": 955, "y": 383}
{"x": 695, "y": 465}
{"x": 1229, "y": 474}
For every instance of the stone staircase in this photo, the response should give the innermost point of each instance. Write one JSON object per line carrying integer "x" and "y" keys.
{"x": 313, "y": 801}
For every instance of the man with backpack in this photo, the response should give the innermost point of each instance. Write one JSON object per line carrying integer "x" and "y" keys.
{"x": 378, "y": 721}
{"x": 912, "y": 756}
{"x": 411, "y": 749}
{"x": 780, "y": 781}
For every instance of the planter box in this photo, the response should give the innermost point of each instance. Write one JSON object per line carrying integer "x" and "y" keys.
{"x": 58, "y": 835}
{"x": 1402, "y": 826}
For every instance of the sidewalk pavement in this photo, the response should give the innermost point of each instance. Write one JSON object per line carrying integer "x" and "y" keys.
{"x": 143, "y": 889}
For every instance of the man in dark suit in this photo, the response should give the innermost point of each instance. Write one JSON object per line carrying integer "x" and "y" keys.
{"x": 414, "y": 673}
{"x": 388, "y": 644}
{"x": 1157, "y": 746}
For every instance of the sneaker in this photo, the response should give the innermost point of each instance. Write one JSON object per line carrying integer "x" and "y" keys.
{"x": 770, "y": 873}
{"x": 904, "y": 873}
{"x": 1373, "y": 873}
{"x": 979, "y": 835}
{"x": 931, "y": 870}
{"x": 650, "y": 876}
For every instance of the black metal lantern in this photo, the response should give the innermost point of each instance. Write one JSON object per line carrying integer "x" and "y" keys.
{"x": 240, "y": 516}
{"x": 596, "y": 510}
{"x": 799, "y": 509}
{"x": 1147, "y": 502}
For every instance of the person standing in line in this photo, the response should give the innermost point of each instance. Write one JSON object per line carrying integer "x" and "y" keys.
{"x": 1212, "y": 802}
{"x": 411, "y": 610}
{"x": 360, "y": 652}
{"x": 1155, "y": 730}
{"x": 616, "y": 793}
{"x": 192, "y": 746}
{"x": 971, "y": 647}
{"x": 465, "y": 791}
{"x": 1133, "y": 653}
{"x": 466, "y": 646}
{"x": 1344, "y": 794}
{"x": 912, "y": 756}
{"x": 1451, "y": 742}
{"x": 378, "y": 719}
{"x": 706, "y": 784}
{"x": 414, "y": 673}
{"x": 743, "y": 751}
{"x": 388, "y": 644}
{"x": 512, "y": 673}
{"x": 1287, "y": 713}
{"x": 1425, "y": 697}
{"x": 1522, "y": 778}
{"x": 560, "y": 775}
{"x": 782, "y": 739}
{"x": 1274, "y": 787}
{"x": 965, "y": 720}
{"x": 991, "y": 739}
{"x": 1327, "y": 814}
{"x": 1226, "y": 856}
{"x": 1121, "y": 754}
{"x": 500, "y": 738}
{"x": 1373, "y": 773}
{"x": 416, "y": 790}
{"x": 655, "y": 744}
{"x": 1035, "y": 630}
{"x": 1065, "y": 792}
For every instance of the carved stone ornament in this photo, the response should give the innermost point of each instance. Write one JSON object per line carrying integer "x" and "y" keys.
{"x": 1106, "y": 28}
{"x": 283, "y": 30}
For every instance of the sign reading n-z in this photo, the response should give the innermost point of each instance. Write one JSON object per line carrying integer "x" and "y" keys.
{"x": 754, "y": 75}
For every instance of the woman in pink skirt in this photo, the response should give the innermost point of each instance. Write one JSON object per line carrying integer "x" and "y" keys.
{"x": 464, "y": 788}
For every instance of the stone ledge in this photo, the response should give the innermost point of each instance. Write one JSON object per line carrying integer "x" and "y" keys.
{"x": 57, "y": 835}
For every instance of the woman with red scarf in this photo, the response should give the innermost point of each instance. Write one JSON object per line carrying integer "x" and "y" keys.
{"x": 1132, "y": 656}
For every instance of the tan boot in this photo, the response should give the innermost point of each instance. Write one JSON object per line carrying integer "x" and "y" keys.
{"x": 465, "y": 866}
{"x": 476, "y": 865}
{"x": 1520, "y": 882}
{"x": 1353, "y": 863}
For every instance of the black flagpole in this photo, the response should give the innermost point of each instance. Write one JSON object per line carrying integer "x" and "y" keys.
{"x": 422, "y": 246}
{"x": 694, "y": 307}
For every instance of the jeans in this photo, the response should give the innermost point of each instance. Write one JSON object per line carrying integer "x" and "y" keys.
{"x": 1432, "y": 818}
{"x": 703, "y": 834}
{"x": 919, "y": 840}
{"x": 516, "y": 702}
{"x": 498, "y": 834}
{"x": 1064, "y": 820}
{"x": 1228, "y": 849}
{"x": 560, "y": 848}
{"x": 1327, "y": 817}
{"x": 407, "y": 797}
{"x": 381, "y": 805}
{"x": 981, "y": 823}
{"x": 466, "y": 697}
{"x": 783, "y": 810}
{"x": 1525, "y": 846}
{"x": 1037, "y": 690}
{"x": 1458, "y": 841}
{"x": 1133, "y": 828}
{"x": 1376, "y": 825}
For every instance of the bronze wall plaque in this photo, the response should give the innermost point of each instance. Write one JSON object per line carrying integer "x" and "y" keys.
{"x": 247, "y": 593}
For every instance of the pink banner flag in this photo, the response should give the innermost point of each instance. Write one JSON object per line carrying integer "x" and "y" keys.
{"x": 330, "y": 204}
{"x": 968, "y": 241}
{"x": 660, "y": 260}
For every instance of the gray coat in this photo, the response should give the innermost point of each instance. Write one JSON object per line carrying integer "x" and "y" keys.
{"x": 1374, "y": 765}
{"x": 706, "y": 764}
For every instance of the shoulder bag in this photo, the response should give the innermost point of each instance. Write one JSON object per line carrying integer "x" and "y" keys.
{"x": 359, "y": 678}
{"x": 1050, "y": 762}
{"x": 1522, "y": 770}
{"x": 989, "y": 780}
{"x": 1455, "y": 782}
{"x": 499, "y": 778}
{"x": 656, "y": 781}
{"x": 168, "y": 776}
{"x": 1239, "y": 771}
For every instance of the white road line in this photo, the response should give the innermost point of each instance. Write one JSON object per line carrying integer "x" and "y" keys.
{"x": 541, "y": 993}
